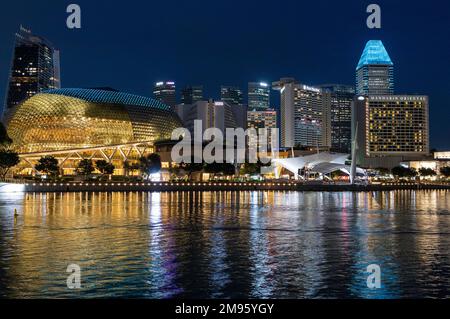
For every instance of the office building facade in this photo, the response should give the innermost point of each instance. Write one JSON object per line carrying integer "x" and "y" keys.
{"x": 35, "y": 68}
{"x": 258, "y": 96}
{"x": 341, "y": 115}
{"x": 231, "y": 94}
{"x": 165, "y": 92}
{"x": 191, "y": 94}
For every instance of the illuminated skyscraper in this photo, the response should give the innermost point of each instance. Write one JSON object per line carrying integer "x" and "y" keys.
{"x": 258, "y": 96}
{"x": 305, "y": 114}
{"x": 191, "y": 94}
{"x": 231, "y": 95}
{"x": 341, "y": 115}
{"x": 262, "y": 119}
{"x": 375, "y": 71}
{"x": 391, "y": 129}
{"x": 166, "y": 93}
{"x": 34, "y": 68}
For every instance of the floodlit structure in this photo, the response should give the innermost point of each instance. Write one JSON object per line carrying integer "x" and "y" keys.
{"x": 35, "y": 67}
{"x": 321, "y": 163}
{"x": 375, "y": 71}
{"x": 75, "y": 124}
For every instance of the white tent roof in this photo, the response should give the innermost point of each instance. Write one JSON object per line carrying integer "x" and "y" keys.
{"x": 323, "y": 163}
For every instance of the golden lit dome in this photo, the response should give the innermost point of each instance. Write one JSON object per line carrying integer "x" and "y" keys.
{"x": 81, "y": 118}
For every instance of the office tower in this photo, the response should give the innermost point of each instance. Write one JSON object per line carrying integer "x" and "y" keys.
{"x": 216, "y": 114}
{"x": 341, "y": 115}
{"x": 34, "y": 68}
{"x": 375, "y": 71}
{"x": 231, "y": 95}
{"x": 191, "y": 94}
{"x": 258, "y": 96}
{"x": 305, "y": 114}
{"x": 166, "y": 93}
{"x": 390, "y": 129}
{"x": 262, "y": 119}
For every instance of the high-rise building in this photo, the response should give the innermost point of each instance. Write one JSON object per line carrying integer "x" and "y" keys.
{"x": 341, "y": 115}
{"x": 166, "y": 93}
{"x": 375, "y": 71}
{"x": 191, "y": 94}
{"x": 258, "y": 96}
{"x": 231, "y": 95}
{"x": 34, "y": 68}
{"x": 216, "y": 114}
{"x": 262, "y": 119}
{"x": 305, "y": 114}
{"x": 390, "y": 129}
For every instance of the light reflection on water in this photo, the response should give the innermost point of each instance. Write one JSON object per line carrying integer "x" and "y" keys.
{"x": 226, "y": 244}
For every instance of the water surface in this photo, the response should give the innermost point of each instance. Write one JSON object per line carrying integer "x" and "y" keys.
{"x": 226, "y": 244}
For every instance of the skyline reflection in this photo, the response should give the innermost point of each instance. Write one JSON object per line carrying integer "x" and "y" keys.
{"x": 226, "y": 244}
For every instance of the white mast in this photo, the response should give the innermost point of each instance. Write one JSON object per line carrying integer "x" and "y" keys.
{"x": 354, "y": 148}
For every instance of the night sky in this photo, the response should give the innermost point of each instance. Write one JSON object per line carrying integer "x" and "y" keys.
{"x": 131, "y": 44}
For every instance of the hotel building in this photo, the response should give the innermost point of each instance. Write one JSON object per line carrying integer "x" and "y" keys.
{"x": 305, "y": 114}
{"x": 390, "y": 129}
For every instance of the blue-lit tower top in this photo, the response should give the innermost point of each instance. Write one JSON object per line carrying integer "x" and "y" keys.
{"x": 375, "y": 71}
{"x": 374, "y": 54}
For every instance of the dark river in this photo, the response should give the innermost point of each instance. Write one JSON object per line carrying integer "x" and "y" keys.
{"x": 226, "y": 244}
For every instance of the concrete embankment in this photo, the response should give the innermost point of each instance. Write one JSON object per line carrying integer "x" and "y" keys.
{"x": 214, "y": 186}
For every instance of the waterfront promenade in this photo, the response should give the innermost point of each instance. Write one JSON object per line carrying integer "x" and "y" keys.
{"x": 211, "y": 186}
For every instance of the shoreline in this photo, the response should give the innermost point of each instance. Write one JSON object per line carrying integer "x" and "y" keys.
{"x": 208, "y": 186}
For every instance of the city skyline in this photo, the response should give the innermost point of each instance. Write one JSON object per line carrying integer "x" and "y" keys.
{"x": 313, "y": 68}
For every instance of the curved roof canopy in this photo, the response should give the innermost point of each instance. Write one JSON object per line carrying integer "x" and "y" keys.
{"x": 108, "y": 96}
{"x": 323, "y": 163}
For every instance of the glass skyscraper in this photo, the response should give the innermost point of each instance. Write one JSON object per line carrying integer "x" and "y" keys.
{"x": 34, "y": 68}
{"x": 375, "y": 71}
{"x": 191, "y": 94}
{"x": 231, "y": 95}
{"x": 166, "y": 93}
{"x": 341, "y": 115}
{"x": 258, "y": 96}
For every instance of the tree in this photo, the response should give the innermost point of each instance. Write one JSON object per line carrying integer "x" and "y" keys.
{"x": 104, "y": 167}
{"x": 382, "y": 170}
{"x": 48, "y": 165}
{"x": 5, "y": 141}
{"x": 85, "y": 167}
{"x": 150, "y": 164}
{"x": 426, "y": 172}
{"x": 445, "y": 171}
{"x": 252, "y": 168}
{"x": 8, "y": 159}
{"x": 401, "y": 171}
{"x": 217, "y": 168}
